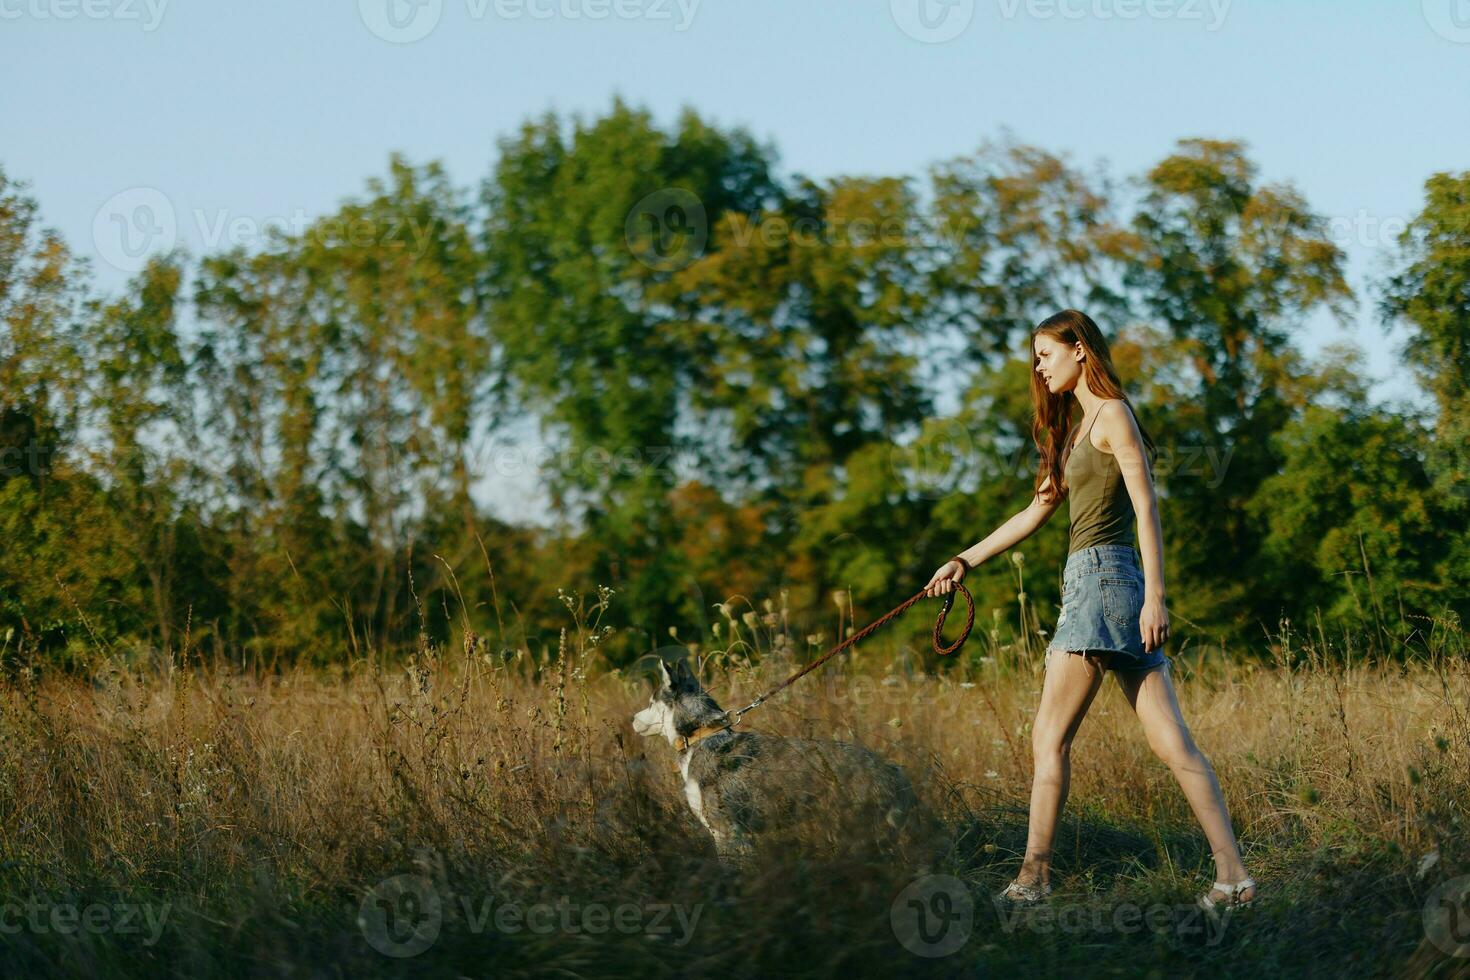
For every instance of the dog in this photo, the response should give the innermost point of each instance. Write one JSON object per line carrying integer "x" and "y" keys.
{"x": 749, "y": 787}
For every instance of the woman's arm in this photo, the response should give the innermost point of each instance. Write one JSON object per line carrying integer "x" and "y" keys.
{"x": 1016, "y": 529}
{"x": 1120, "y": 435}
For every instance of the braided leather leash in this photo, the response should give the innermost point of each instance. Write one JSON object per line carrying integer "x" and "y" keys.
{"x": 732, "y": 718}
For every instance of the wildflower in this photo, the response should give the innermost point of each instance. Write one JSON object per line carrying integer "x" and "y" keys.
{"x": 1018, "y": 559}
{"x": 750, "y": 618}
{"x": 768, "y": 605}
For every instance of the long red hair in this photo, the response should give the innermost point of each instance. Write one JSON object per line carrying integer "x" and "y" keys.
{"x": 1052, "y": 424}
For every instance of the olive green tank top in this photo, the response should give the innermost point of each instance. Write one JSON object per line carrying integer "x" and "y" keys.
{"x": 1097, "y": 499}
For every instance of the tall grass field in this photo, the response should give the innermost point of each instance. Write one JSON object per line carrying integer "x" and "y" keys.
{"x": 487, "y": 811}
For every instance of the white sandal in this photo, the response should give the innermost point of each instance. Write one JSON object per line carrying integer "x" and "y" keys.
{"x": 1024, "y": 894}
{"x": 1232, "y": 900}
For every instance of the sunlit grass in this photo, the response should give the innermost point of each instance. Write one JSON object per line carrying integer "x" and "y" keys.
{"x": 254, "y": 813}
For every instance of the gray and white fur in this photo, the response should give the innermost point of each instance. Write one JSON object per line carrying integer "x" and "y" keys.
{"x": 747, "y": 786}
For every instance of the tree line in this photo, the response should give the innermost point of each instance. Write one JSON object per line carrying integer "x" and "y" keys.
{"x": 750, "y": 384}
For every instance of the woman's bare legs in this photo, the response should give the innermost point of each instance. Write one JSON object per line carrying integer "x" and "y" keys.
{"x": 1151, "y": 693}
{"x": 1071, "y": 682}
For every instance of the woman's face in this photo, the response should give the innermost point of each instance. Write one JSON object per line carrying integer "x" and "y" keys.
{"x": 1057, "y": 363}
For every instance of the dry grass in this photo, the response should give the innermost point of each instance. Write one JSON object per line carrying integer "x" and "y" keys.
{"x": 252, "y": 815}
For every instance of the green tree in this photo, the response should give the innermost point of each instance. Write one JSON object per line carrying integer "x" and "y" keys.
{"x": 345, "y": 365}
{"x": 587, "y": 330}
{"x": 1430, "y": 295}
{"x": 1228, "y": 267}
{"x": 1351, "y": 518}
{"x": 141, "y": 403}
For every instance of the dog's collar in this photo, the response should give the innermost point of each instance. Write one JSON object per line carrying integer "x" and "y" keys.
{"x": 686, "y": 742}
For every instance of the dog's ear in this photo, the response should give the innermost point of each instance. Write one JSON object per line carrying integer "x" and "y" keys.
{"x": 677, "y": 677}
{"x": 684, "y": 679}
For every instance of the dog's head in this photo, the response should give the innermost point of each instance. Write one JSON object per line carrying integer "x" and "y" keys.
{"x": 678, "y": 706}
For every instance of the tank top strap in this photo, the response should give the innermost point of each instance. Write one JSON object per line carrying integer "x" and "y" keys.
{"x": 1072, "y": 447}
{"x": 1087, "y": 436}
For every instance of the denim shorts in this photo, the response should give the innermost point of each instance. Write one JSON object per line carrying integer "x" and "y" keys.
{"x": 1102, "y": 596}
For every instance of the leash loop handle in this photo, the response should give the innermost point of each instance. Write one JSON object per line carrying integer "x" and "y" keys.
{"x": 939, "y": 646}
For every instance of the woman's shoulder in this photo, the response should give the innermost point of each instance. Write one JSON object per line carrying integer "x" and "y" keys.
{"x": 1114, "y": 420}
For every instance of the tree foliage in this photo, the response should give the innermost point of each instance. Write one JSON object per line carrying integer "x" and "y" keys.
{"x": 756, "y": 384}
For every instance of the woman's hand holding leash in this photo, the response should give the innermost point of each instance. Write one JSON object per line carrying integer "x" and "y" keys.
{"x": 950, "y": 574}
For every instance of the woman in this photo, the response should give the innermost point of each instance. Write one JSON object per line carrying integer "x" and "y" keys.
{"x": 1113, "y": 615}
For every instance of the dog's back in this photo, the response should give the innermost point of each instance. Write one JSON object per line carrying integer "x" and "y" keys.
{"x": 749, "y": 786}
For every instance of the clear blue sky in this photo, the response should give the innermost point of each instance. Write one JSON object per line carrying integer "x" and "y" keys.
{"x": 269, "y": 109}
